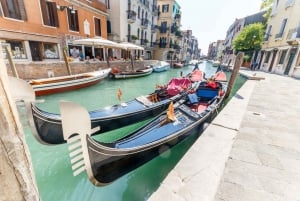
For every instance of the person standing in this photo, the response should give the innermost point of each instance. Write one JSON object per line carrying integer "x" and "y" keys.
{"x": 74, "y": 52}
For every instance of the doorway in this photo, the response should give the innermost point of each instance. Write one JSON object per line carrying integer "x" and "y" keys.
{"x": 290, "y": 61}
{"x": 35, "y": 48}
{"x": 272, "y": 61}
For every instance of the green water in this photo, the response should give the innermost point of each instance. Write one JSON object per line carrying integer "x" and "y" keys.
{"x": 52, "y": 165}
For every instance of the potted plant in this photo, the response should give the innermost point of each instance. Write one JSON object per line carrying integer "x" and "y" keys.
{"x": 134, "y": 37}
{"x": 246, "y": 61}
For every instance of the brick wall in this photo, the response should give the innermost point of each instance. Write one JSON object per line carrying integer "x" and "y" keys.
{"x": 35, "y": 70}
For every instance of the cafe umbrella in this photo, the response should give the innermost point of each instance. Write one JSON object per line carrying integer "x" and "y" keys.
{"x": 98, "y": 42}
{"x": 130, "y": 47}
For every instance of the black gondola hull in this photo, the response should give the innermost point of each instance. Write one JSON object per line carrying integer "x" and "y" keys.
{"x": 107, "y": 165}
{"x": 48, "y": 128}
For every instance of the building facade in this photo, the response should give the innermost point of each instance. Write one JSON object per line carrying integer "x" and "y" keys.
{"x": 168, "y": 33}
{"x": 133, "y": 21}
{"x": 234, "y": 29}
{"x": 39, "y": 30}
{"x": 281, "y": 47}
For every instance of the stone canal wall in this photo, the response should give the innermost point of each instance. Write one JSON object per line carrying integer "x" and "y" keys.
{"x": 35, "y": 70}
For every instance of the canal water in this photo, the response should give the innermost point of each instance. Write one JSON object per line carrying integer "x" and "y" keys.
{"x": 52, "y": 166}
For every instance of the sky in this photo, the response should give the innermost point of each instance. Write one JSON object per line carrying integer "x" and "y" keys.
{"x": 209, "y": 20}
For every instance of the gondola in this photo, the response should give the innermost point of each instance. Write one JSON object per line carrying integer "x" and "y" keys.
{"x": 47, "y": 86}
{"x": 47, "y": 128}
{"x": 106, "y": 162}
{"x": 117, "y": 74}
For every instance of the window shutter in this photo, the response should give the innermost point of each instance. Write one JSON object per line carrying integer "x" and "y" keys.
{"x": 4, "y": 8}
{"x": 44, "y": 12}
{"x": 55, "y": 15}
{"x": 22, "y": 9}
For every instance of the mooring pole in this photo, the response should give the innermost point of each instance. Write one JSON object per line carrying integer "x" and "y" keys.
{"x": 237, "y": 64}
{"x": 11, "y": 63}
{"x": 67, "y": 62}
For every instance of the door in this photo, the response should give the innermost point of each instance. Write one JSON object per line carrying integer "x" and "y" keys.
{"x": 290, "y": 61}
{"x": 35, "y": 48}
{"x": 272, "y": 62}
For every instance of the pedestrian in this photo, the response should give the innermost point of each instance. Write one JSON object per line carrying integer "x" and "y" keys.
{"x": 255, "y": 66}
{"x": 74, "y": 52}
{"x": 196, "y": 67}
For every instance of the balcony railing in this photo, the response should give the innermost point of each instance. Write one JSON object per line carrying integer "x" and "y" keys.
{"x": 163, "y": 29}
{"x": 279, "y": 35}
{"x": 289, "y": 3}
{"x": 155, "y": 10}
{"x": 177, "y": 16}
{"x": 153, "y": 28}
{"x": 293, "y": 36}
{"x": 145, "y": 23}
{"x": 131, "y": 16}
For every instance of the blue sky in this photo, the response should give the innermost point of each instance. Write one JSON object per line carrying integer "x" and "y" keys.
{"x": 210, "y": 20}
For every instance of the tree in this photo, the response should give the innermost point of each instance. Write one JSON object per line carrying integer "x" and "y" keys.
{"x": 267, "y": 5}
{"x": 250, "y": 38}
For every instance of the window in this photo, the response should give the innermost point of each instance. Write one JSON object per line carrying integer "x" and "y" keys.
{"x": 16, "y": 47}
{"x": 97, "y": 27}
{"x": 163, "y": 27}
{"x": 268, "y": 34}
{"x": 49, "y": 13}
{"x": 108, "y": 27}
{"x": 139, "y": 12}
{"x": 279, "y": 35}
{"x": 129, "y": 32}
{"x": 282, "y": 57}
{"x": 14, "y": 9}
{"x": 50, "y": 51}
{"x": 73, "y": 19}
{"x": 165, "y": 8}
{"x": 107, "y": 2}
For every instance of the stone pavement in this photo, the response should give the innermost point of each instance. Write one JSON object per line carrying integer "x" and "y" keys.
{"x": 251, "y": 151}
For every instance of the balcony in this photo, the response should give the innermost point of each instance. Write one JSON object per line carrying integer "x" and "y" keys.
{"x": 278, "y": 36}
{"x": 144, "y": 23}
{"x": 163, "y": 29}
{"x": 155, "y": 10}
{"x": 131, "y": 16}
{"x": 153, "y": 28}
{"x": 177, "y": 16}
{"x": 174, "y": 28}
{"x": 293, "y": 36}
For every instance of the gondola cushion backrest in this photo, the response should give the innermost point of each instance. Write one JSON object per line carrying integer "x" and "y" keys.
{"x": 176, "y": 85}
{"x": 205, "y": 93}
